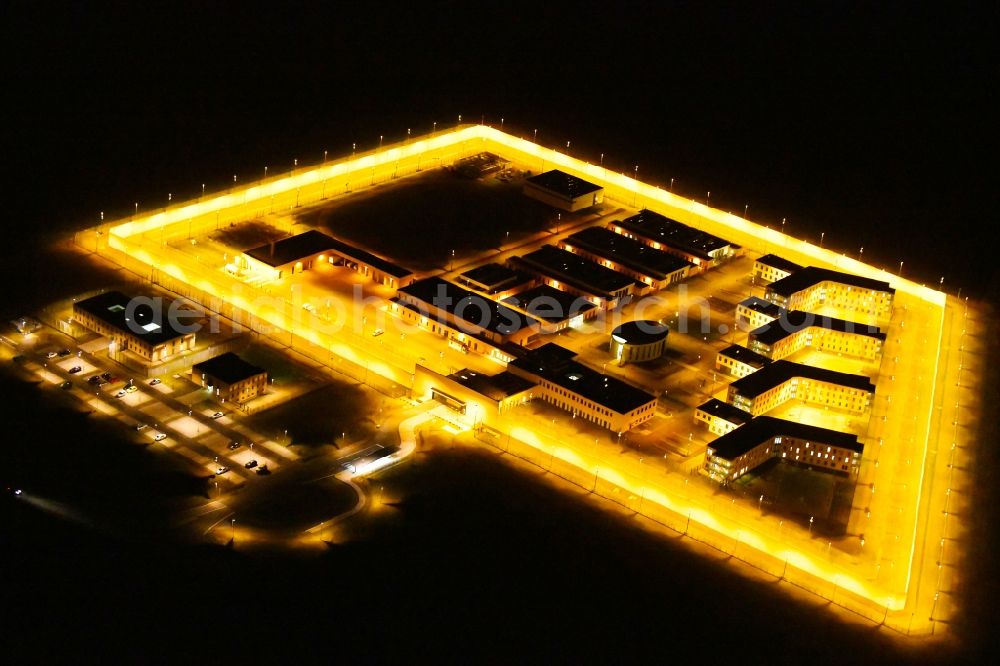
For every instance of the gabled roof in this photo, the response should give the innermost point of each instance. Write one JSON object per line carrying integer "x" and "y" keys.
{"x": 744, "y": 438}
{"x": 813, "y": 275}
{"x": 779, "y": 372}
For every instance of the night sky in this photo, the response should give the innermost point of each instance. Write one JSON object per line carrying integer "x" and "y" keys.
{"x": 870, "y": 124}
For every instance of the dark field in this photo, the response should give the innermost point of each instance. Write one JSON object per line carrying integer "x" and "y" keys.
{"x": 419, "y": 221}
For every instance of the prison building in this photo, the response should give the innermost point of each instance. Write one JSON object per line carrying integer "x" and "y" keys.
{"x": 754, "y": 312}
{"x": 564, "y": 382}
{"x": 140, "y": 327}
{"x": 746, "y": 447}
{"x": 701, "y": 249}
{"x": 795, "y": 330}
{"x": 739, "y": 361}
{"x": 639, "y": 261}
{"x": 496, "y": 280}
{"x": 564, "y": 270}
{"x": 720, "y": 417}
{"x": 230, "y": 378}
{"x": 480, "y": 397}
{"x": 812, "y": 287}
{"x": 469, "y": 320}
{"x": 298, "y": 253}
{"x": 563, "y": 191}
{"x": 553, "y": 308}
{"x": 771, "y": 268}
{"x": 780, "y": 381}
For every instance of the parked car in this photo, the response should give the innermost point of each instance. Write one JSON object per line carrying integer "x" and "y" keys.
{"x": 50, "y": 354}
{"x": 63, "y": 352}
{"x": 263, "y": 470}
{"x": 154, "y": 381}
{"x": 132, "y": 389}
{"x": 75, "y": 369}
{"x": 377, "y": 332}
{"x": 250, "y": 464}
{"x": 140, "y": 426}
{"x": 159, "y": 437}
{"x": 107, "y": 376}
{"x": 120, "y": 394}
{"x": 217, "y": 415}
{"x": 67, "y": 385}
{"x": 233, "y": 446}
{"x": 221, "y": 470}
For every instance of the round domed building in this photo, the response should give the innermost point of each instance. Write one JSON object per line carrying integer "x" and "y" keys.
{"x": 637, "y": 341}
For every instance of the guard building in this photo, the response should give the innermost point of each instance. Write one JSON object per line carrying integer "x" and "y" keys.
{"x": 561, "y": 190}
{"x": 144, "y": 328}
{"x": 478, "y": 396}
{"x": 572, "y": 386}
{"x": 734, "y": 454}
{"x": 774, "y": 384}
{"x": 639, "y": 261}
{"x": 771, "y": 268}
{"x": 701, "y": 249}
{"x": 812, "y": 287}
{"x": 230, "y": 378}
{"x": 795, "y": 330}
{"x": 564, "y": 270}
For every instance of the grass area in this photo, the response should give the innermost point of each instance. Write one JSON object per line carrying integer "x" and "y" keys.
{"x": 247, "y": 235}
{"x": 319, "y": 417}
{"x": 420, "y": 220}
{"x": 298, "y": 506}
{"x": 801, "y": 492}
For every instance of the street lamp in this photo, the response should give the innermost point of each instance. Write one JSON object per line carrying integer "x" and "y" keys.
{"x": 535, "y": 139}
{"x": 324, "y": 157}
{"x": 671, "y": 184}
{"x": 635, "y": 177}
{"x": 821, "y": 237}
{"x": 901, "y": 269}
{"x": 810, "y": 525}
{"x": 234, "y": 531}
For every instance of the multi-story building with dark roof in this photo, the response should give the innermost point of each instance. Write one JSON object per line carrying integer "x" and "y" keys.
{"x": 771, "y": 268}
{"x": 754, "y": 312}
{"x": 739, "y": 361}
{"x": 812, "y": 287}
{"x": 794, "y": 330}
{"x": 769, "y": 387}
{"x": 564, "y": 382}
{"x": 741, "y": 450}
{"x": 720, "y": 417}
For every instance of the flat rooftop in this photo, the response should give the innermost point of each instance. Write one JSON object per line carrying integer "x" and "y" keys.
{"x": 574, "y": 270}
{"x": 774, "y": 261}
{"x": 764, "y": 428}
{"x": 136, "y": 318}
{"x": 779, "y": 372}
{"x": 813, "y": 275}
{"x": 661, "y": 228}
{"x": 495, "y": 387}
{"x": 793, "y": 321}
{"x": 469, "y": 306}
{"x": 549, "y": 304}
{"x": 228, "y": 367}
{"x": 725, "y": 411}
{"x": 563, "y": 184}
{"x": 291, "y": 249}
{"x": 747, "y": 356}
{"x": 629, "y": 252}
{"x": 556, "y": 364}
{"x": 494, "y": 277}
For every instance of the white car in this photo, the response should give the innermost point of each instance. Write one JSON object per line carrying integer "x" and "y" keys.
{"x": 154, "y": 382}
{"x": 50, "y": 354}
{"x": 217, "y": 415}
{"x": 120, "y": 394}
{"x": 159, "y": 437}
{"x": 140, "y": 426}
{"x": 377, "y": 332}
